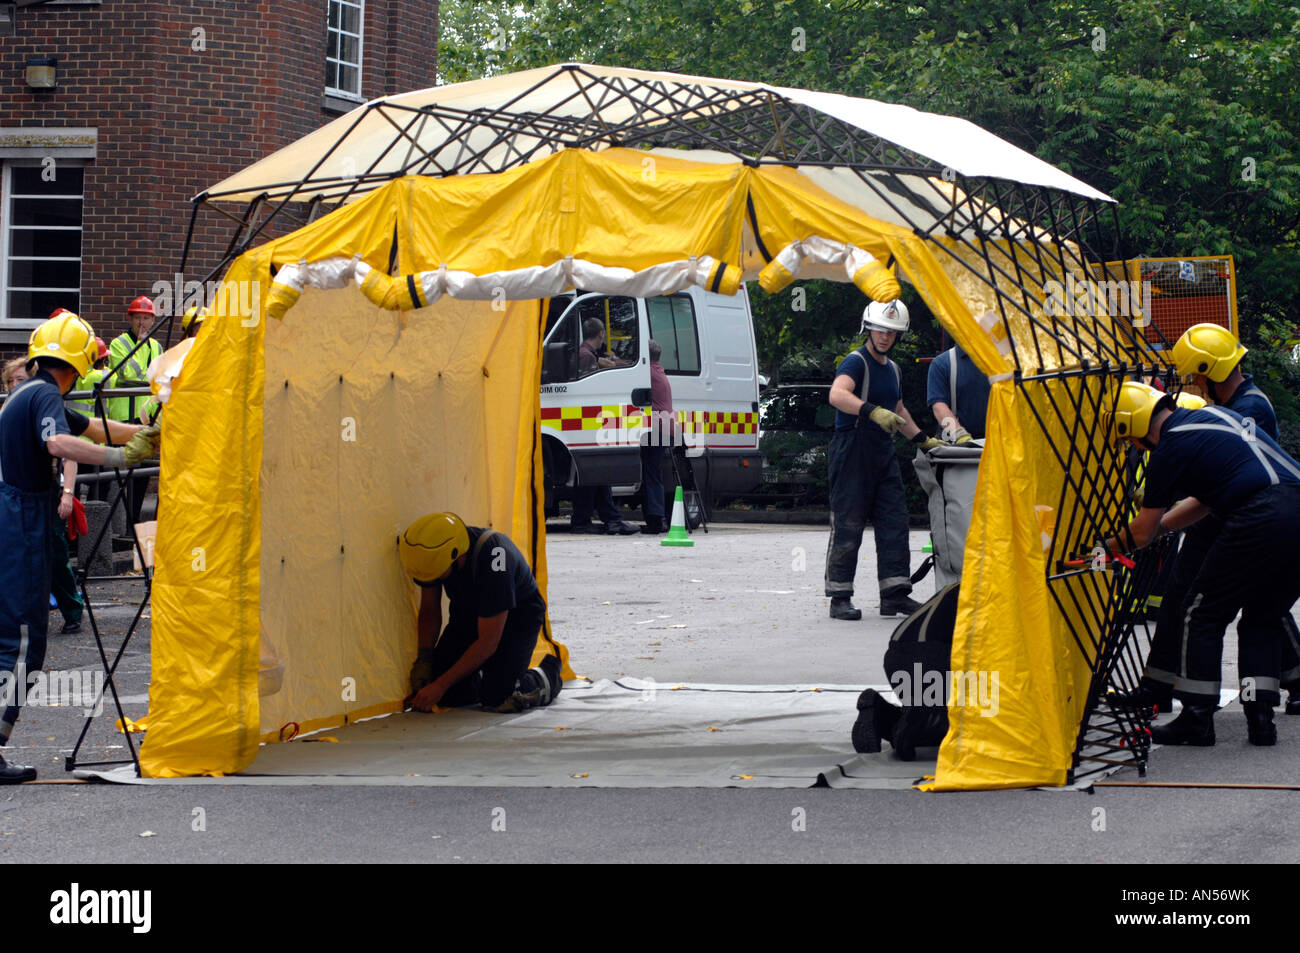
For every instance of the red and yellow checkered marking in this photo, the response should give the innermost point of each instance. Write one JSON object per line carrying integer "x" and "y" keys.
{"x": 712, "y": 421}
{"x": 629, "y": 417}
{"x": 610, "y": 417}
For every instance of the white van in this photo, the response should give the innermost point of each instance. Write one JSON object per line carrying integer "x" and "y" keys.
{"x": 594, "y": 422}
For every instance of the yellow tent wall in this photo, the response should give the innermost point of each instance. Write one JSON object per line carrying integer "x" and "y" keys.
{"x": 381, "y": 424}
{"x": 1010, "y": 627}
{"x": 280, "y": 505}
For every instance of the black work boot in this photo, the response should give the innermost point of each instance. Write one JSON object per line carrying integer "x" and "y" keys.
{"x": 876, "y": 720}
{"x": 1260, "y": 729}
{"x": 15, "y": 773}
{"x": 1293, "y": 702}
{"x": 1142, "y": 697}
{"x": 536, "y": 688}
{"x": 842, "y": 608}
{"x": 1195, "y": 726}
{"x": 897, "y": 602}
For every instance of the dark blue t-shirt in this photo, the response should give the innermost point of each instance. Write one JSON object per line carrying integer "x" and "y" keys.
{"x": 31, "y": 415}
{"x": 502, "y": 580}
{"x": 1249, "y": 402}
{"x": 1213, "y": 455}
{"x": 883, "y": 391}
{"x": 972, "y": 390}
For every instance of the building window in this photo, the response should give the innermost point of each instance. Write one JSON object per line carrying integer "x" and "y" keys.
{"x": 40, "y": 240}
{"x": 343, "y": 48}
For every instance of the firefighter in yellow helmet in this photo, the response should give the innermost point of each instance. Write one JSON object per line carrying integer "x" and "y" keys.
{"x": 192, "y": 321}
{"x": 1208, "y": 357}
{"x": 1214, "y": 463}
{"x": 35, "y": 429}
{"x": 496, "y": 615}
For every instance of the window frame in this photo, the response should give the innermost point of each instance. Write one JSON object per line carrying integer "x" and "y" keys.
{"x": 7, "y": 321}
{"x": 334, "y": 91}
{"x": 695, "y": 330}
{"x": 573, "y": 312}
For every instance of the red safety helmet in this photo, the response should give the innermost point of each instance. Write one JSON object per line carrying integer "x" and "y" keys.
{"x": 142, "y": 305}
{"x": 103, "y": 348}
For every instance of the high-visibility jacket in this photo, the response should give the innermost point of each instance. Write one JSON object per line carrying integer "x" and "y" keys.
{"x": 87, "y": 406}
{"x": 133, "y": 373}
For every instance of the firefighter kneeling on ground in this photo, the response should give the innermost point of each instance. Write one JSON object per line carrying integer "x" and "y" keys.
{"x": 496, "y": 610}
{"x": 1214, "y": 462}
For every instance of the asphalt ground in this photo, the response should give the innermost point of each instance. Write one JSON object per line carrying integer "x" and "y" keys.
{"x": 745, "y": 605}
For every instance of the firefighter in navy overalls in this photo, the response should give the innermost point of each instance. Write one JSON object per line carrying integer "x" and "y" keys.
{"x": 1208, "y": 358}
{"x": 35, "y": 428}
{"x": 1213, "y": 461}
{"x": 865, "y": 482}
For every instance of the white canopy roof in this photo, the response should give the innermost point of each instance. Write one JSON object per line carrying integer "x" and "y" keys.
{"x": 493, "y": 124}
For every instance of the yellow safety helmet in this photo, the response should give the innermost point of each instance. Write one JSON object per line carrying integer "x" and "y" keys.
{"x": 1137, "y": 403}
{"x": 1189, "y": 401}
{"x": 68, "y": 338}
{"x": 1208, "y": 349}
{"x": 192, "y": 317}
{"x": 431, "y": 544}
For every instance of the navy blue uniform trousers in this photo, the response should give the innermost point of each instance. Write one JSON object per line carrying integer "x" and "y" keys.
{"x": 865, "y": 483}
{"x": 1251, "y": 569}
{"x": 26, "y": 555}
{"x": 1167, "y": 658}
{"x": 495, "y": 681}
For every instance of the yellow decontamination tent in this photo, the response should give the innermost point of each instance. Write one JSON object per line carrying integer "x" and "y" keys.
{"x": 383, "y": 361}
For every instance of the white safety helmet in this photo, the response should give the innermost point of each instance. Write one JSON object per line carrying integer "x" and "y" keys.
{"x": 885, "y": 316}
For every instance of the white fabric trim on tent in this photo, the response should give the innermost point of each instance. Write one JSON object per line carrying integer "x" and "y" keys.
{"x": 951, "y": 142}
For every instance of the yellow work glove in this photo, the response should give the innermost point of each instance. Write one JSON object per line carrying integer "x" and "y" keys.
{"x": 422, "y": 670}
{"x": 928, "y": 443}
{"x": 961, "y": 435}
{"x": 886, "y": 420}
{"x": 143, "y": 445}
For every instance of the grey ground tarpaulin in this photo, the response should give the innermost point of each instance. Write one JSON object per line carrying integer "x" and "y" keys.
{"x": 624, "y": 733}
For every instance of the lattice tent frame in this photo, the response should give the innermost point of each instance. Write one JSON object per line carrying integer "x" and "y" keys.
{"x": 1023, "y": 249}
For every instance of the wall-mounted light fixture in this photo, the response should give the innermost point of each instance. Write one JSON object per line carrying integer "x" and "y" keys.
{"x": 42, "y": 72}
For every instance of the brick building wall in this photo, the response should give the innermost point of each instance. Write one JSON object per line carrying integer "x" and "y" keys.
{"x": 179, "y": 95}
